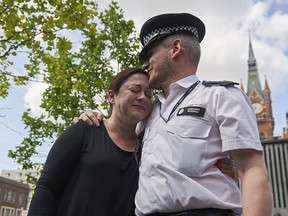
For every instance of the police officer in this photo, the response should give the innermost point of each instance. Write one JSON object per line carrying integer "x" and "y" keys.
{"x": 192, "y": 125}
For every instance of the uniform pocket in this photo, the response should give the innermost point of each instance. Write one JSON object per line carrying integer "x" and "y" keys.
{"x": 188, "y": 143}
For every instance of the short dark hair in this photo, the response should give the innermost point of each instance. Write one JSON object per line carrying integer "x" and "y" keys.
{"x": 122, "y": 76}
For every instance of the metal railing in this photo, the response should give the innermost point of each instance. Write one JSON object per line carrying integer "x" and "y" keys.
{"x": 276, "y": 159}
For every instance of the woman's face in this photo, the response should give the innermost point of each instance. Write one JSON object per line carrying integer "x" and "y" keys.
{"x": 133, "y": 100}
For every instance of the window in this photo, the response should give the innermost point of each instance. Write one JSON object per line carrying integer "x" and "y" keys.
{"x": 5, "y": 196}
{"x": 21, "y": 198}
{"x": 14, "y": 197}
{"x": 10, "y": 196}
{"x": 7, "y": 211}
{"x": 18, "y": 212}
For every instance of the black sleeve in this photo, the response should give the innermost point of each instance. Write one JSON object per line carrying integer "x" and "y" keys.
{"x": 59, "y": 165}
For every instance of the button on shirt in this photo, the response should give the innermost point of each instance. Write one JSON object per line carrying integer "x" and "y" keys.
{"x": 177, "y": 169}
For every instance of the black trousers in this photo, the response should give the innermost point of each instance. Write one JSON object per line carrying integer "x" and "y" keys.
{"x": 199, "y": 212}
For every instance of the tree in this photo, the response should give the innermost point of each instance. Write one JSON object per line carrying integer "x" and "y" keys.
{"x": 71, "y": 47}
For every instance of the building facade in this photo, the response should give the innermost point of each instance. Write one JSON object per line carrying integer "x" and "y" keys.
{"x": 13, "y": 197}
{"x": 21, "y": 176}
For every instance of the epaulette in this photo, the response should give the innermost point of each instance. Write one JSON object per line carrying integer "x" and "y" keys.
{"x": 155, "y": 100}
{"x": 224, "y": 83}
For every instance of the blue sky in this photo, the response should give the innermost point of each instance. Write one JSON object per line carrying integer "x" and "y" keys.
{"x": 224, "y": 55}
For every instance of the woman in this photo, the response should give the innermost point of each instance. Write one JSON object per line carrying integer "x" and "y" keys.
{"x": 93, "y": 170}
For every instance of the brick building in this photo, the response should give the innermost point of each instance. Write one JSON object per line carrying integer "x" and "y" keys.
{"x": 260, "y": 99}
{"x": 13, "y": 197}
{"x": 21, "y": 176}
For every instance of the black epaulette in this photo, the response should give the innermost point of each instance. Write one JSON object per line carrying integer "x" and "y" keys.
{"x": 155, "y": 101}
{"x": 224, "y": 83}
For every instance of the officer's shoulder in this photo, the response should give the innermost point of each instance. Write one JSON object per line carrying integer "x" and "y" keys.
{"x": 224, "y": 83}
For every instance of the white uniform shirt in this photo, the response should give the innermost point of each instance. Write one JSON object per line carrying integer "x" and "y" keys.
{"x": 177, "y": 170}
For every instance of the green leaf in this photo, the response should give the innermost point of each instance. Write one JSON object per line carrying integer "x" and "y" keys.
{"x": 70, "y": 46}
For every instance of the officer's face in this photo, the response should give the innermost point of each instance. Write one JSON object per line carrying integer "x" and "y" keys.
{"x": 158, "y": 66}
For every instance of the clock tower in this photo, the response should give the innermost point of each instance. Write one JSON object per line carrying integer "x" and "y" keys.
{"x": 260, "y": 99}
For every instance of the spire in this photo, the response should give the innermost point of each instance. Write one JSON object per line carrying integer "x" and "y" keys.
{"x": 253, "y": 76}
{"x": 266, "y": 87}
{"x": 266, "y": 91}
{"x": 251, "y": 53}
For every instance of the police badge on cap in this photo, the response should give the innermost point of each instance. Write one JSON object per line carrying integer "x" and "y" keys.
{"x": 165, "y": 25}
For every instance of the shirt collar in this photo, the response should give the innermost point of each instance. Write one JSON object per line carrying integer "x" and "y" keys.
{"x": 183, "y": 83}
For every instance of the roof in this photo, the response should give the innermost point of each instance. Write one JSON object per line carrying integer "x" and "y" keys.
{"x": 13, "y": 182}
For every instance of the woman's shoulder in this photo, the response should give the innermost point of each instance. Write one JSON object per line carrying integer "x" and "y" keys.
{"x": 82, "y": 128}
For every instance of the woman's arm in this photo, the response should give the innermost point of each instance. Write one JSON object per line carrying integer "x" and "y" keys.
{"x": 60, "y": 162}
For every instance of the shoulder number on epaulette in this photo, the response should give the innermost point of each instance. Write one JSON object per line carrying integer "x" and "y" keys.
{"x": 224, "y": 83}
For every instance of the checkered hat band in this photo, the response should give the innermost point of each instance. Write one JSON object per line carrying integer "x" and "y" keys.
{"x": 169, "y": 29}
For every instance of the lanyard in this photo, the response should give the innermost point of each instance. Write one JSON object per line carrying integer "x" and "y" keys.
{"x": 190, "y": 89}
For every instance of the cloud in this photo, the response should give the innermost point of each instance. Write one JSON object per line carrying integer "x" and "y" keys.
{"x": 32, "y": 98}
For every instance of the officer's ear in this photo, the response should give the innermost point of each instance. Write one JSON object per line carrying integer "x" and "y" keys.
{"x": 176, "y": 47}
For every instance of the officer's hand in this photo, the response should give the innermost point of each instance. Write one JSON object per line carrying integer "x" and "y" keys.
{"x": 227, "y": 166}
{"x": 90, "y": 117}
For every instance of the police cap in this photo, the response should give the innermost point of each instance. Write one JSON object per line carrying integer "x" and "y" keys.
{"x": 164, "y": 25}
